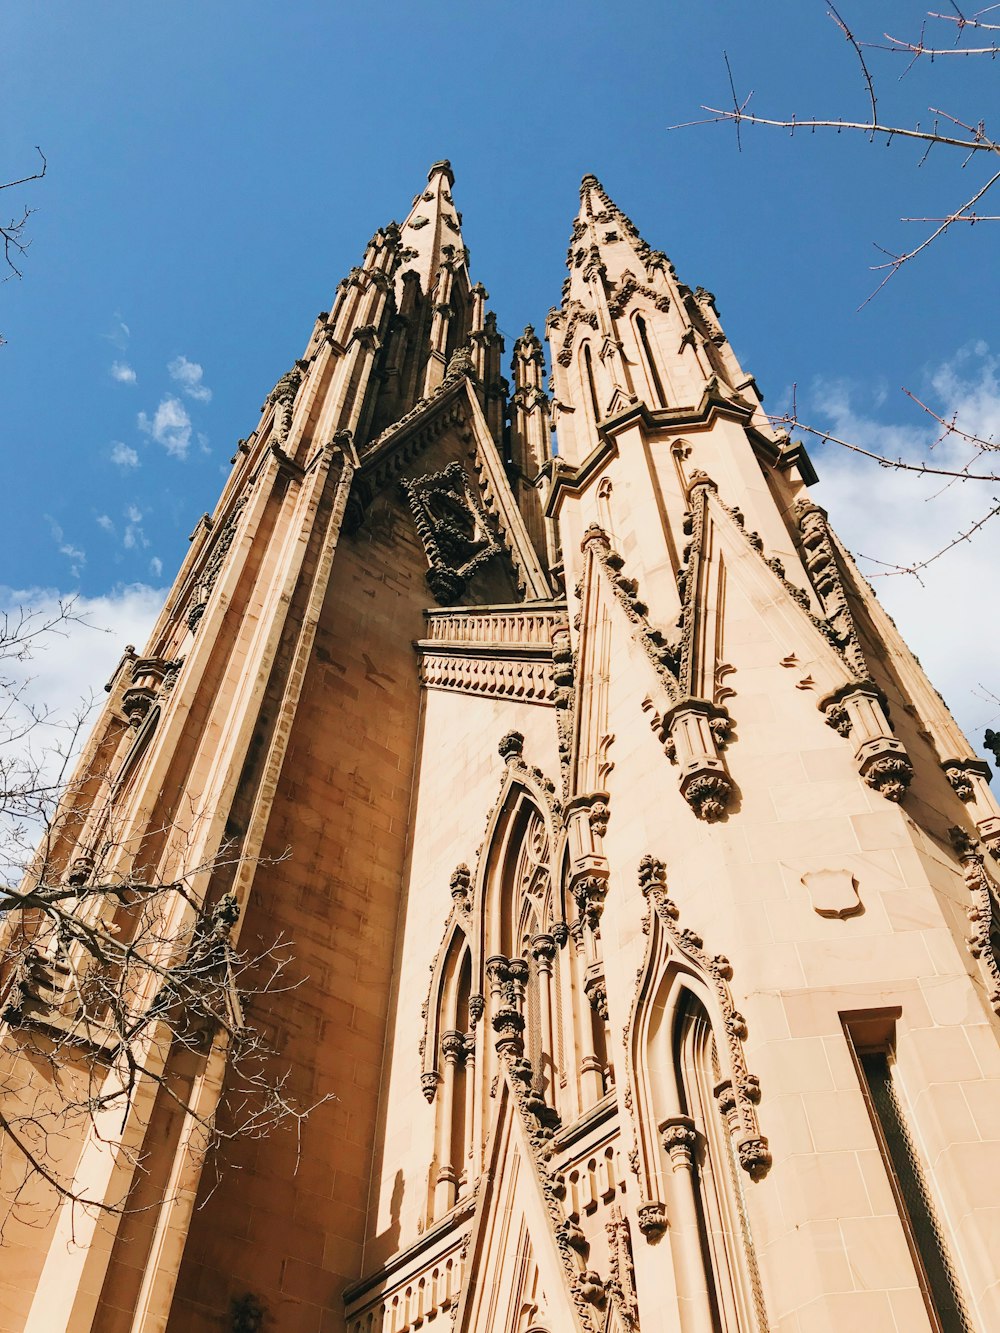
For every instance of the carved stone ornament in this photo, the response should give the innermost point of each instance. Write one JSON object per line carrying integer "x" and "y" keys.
{"x": 859, "y": 711}
{"x": 652, "y": 1217}
{"x": 834, "y": 893}
{"x": 452, "y": 524}
{"x": 692, "y": 734}
{"x": 983, "y": 911}
{"x": 738, "y": 1091}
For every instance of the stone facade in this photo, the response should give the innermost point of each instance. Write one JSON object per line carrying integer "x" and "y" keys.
{"x": 628, "y": 856}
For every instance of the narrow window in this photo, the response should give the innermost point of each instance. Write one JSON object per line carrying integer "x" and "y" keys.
{"x": 588, "y": 365}
{"x": 727, "y": 1251}
{"x": 870, "y": 1040}
{"x": 652, "y": 374}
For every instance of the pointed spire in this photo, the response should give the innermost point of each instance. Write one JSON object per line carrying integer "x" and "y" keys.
{"x": 605, "y": 239}
{"x": 432, "y": 233}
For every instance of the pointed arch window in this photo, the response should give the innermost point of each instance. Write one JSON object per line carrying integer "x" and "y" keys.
{"x": 700, "y": 1145}
{"x": 649, "y": 361}
{"x": 590, "y": 383}
{"x": 453, "y": 1077}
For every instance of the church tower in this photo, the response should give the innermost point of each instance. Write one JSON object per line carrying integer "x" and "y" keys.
{"x": 641, "y": 890}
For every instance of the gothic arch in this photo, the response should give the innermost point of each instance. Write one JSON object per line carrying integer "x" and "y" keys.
{"x": 448, "y": 1001}
{"x": 645, "y": 338}
{"x": 677, "y": 976}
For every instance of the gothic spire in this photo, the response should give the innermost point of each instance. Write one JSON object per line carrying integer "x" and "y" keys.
{"x": 432, "y": 233}
{"x": 605, "y": 240}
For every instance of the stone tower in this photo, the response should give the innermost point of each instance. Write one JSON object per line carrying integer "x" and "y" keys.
{"x": 628, "y": 855}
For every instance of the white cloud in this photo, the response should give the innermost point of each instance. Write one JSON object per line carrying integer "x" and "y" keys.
{"x": 156, "y": 566}
{"x": 188, "y": 374}
{"x": 76, "y": 556}
{"x": 123, "y": 455}
{"x": 68, "y": 667}
{"x": 134, "y": 536}
{"x": 120, "y": 334}
{"x": 170, "y": 426}
{"x": 104, "y": 522}
{"x": 903, "y": 519}
{"x": 122, "y": 372}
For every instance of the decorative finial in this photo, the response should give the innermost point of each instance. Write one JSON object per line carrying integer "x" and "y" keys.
{"x": 445, "y": 166}
{"x": 589, "y": 182}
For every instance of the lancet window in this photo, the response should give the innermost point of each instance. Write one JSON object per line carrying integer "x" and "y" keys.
{"x": 699, "y": 1144}
{"x": 649, "y": 361}
{"x": 519, "y": 968}
{"x": 590, "y": 383}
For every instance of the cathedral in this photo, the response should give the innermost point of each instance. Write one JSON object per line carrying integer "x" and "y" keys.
{"x": 640, "y": 890}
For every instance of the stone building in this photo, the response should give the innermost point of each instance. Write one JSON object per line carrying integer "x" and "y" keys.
{"x": 628, "y": 855}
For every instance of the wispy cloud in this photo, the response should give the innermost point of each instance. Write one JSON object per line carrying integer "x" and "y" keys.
{"x": 122, "y": 372}
{"x": 123, "y": 455}
{"x": 74, "y": 554}
{"x": 901, "y": 518}
{"x": 134, "y": 536}
{"x": 120, "y": 333}
{"x": 104, "y": 523}
{"x": 189, "y": 375}
{"x": 170, "y": 426}
{"x": 156, "y": 566}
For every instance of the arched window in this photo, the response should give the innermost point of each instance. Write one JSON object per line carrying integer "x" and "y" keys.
{"x": 649, "y": 362}
{"x": 590, "y": 384}
{"x": 700, "y": 1144}
{"x": 453, "y": 1125}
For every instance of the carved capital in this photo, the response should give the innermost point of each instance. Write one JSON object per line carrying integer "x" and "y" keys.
{"x": 453, "y": 1047}
{"x": 543, "y": 950}
{"x": 680, "y": 1138}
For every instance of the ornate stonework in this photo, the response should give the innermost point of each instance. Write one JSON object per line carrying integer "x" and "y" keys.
{"x": 450, "y": 654}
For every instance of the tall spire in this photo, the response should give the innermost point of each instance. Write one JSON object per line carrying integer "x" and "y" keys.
{"x": 432, "y": 232}
{"x": 437, "y": 309}
{"x": 614, "y": 338}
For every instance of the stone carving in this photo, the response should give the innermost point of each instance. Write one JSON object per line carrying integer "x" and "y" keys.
{"x": 961, "y": 783}
{"x": 652, "y": 1217}
{"x": 629, "y": 287}
{"x": 452, "y": 524}
{"x": 507, "y": 677}
{"x": 834, "y": 893}
{"x": 461, "y": 885}
{"x": 216, "y": 555}
{"x": 890, "y": 775}
{"x": 983, "y": 912}
{"x": 661, "y": 654}
{"x": 739, "y": 1090}
{"x": 419, "y": 221}
{"x": 860, "y": 712}
{"x": 577, "y": 315}
{"x": 564, "y": 698}
{"x": 820, "y": 558}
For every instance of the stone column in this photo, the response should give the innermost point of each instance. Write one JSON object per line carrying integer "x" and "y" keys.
{"x": 680, "y": 1142}
{"x": 543, "y": 950}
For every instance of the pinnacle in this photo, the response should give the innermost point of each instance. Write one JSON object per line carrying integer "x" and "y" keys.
{"x": 444, "y": 166}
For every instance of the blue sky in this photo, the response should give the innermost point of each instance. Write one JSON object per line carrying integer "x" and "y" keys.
{"x": 214, "y": 169}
